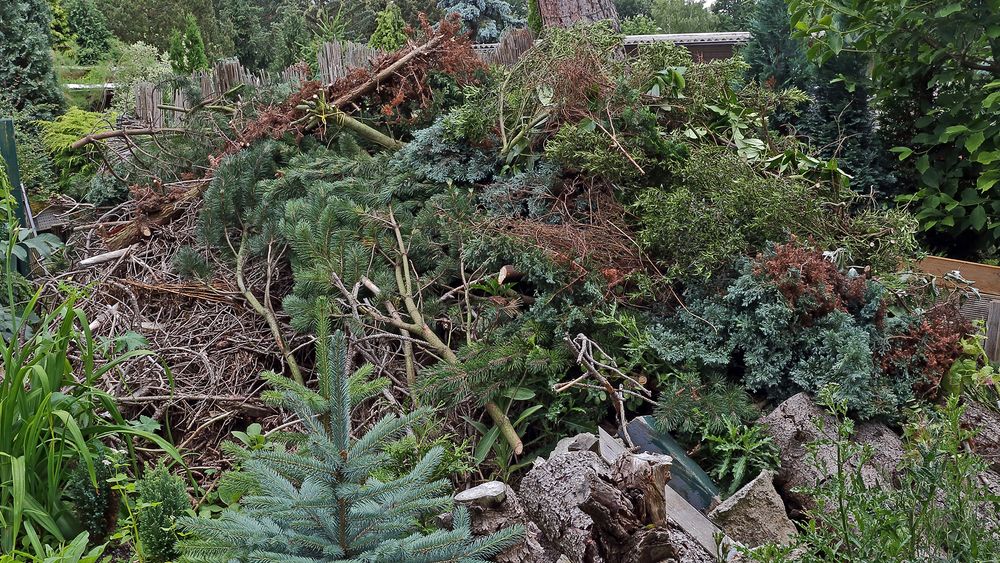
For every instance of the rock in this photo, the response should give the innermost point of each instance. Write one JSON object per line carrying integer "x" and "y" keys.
{"x": 699, "y": 530}
{"x": 486, "y": 495}
{"x": 609, "y": 447}
{"x": 985, "y": 422}
{"x": 793, "y": 427}
{"x": 580, "y": 443}
{"x": 493, "y": 506}
{"x": 755, "y": 514}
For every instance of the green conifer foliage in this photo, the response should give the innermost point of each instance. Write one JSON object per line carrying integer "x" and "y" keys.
{"x": 838, "y": 122}
{"x": 161, "y": 501}
{"x": 90, "y": 30}
{"x": 485, "y": 19}
{"x": 319, "y": 502}
{"x": 534, "y": 17}
{"x": 61, "y": 35}
{"x": 194, "y": 45}
{"x": 26, "y": 71}
{"x": 187, "y": 48}
{"x": 390, "y": 29}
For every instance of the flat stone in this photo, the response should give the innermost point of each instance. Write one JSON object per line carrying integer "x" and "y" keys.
{"x": 755, "y": 514}
{"x": 486, "y": 495}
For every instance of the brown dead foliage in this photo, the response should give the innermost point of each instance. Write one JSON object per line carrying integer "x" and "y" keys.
{"x": 585, "y": 231}
{"x": 930, "y": 347}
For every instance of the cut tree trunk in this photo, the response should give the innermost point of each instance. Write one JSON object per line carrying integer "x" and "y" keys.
{"x": 564, "y": 13}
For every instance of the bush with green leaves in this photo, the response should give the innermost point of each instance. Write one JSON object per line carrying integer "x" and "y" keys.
{"x": 161, "y": 499}
{"x": 318, "y": 501}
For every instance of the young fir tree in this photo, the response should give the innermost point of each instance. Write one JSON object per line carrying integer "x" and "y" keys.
{"x": 26, "y": 71}
{"x": 390, "y": 29}
{"x": 90, "y": 30}
{"x": 61, "y": 35}
{"x": 320, "y": 501}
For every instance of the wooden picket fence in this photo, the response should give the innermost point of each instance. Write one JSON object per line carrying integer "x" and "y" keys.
{"x": 163, "y": 105}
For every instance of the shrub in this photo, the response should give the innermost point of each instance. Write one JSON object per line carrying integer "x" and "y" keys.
{"x": 161, "y": 501}
{"x": 719, "y": 208}
{"x": 940, "y": 508}
{"x": 90, "y": 30}
{"x": 791, "y": 322}
{"x": 76, "y": 167}
{"x": 320, "y": 501}
{"x": 26, "y": 71}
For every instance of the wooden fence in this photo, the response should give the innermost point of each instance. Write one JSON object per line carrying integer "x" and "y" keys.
{"x": 163, "y": 105}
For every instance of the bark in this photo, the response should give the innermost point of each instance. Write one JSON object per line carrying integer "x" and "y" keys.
{"x": 564, "y": 13}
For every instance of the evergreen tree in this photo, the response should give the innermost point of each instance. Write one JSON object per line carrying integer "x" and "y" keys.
{"x": 684, "y": 16}
{"x": 187, "y": 49}
{"x": 485, "y": 19}
{"x": 320, "y": 501}
{"x": 61, "y": 35}
{"x": 244, "y": 23}
{"x": 90, "y": 30}
{"x": 194, "y": 46}
{"x": 390, "y": 29}
{"x": 837, "y": 122}
{"x": 175, "y": 51}
{"x": 26, "y": 71}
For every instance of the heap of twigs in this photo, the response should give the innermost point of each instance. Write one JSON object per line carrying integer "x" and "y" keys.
{"x": 210, "y": 346}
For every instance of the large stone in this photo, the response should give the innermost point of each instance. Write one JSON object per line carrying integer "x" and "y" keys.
{"x": 755, "y": 514}
{"x": 793, "y": 426}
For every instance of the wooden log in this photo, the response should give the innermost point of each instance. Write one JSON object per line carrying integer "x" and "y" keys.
{"x": 106, "y": 257}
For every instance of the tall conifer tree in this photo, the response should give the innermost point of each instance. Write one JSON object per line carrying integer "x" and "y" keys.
{"x": 26, "y": 71}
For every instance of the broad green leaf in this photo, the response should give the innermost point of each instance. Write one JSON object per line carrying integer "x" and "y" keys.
{"x": 978, "y": 217}
{"x": 519, "y": 393}
{"x": 973, "y": 141}
{"x": 485, "y": 445}
{"x": 923, "y": 163}
{"x": 948, "y": 10}
{"x": 904, "y": 152}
